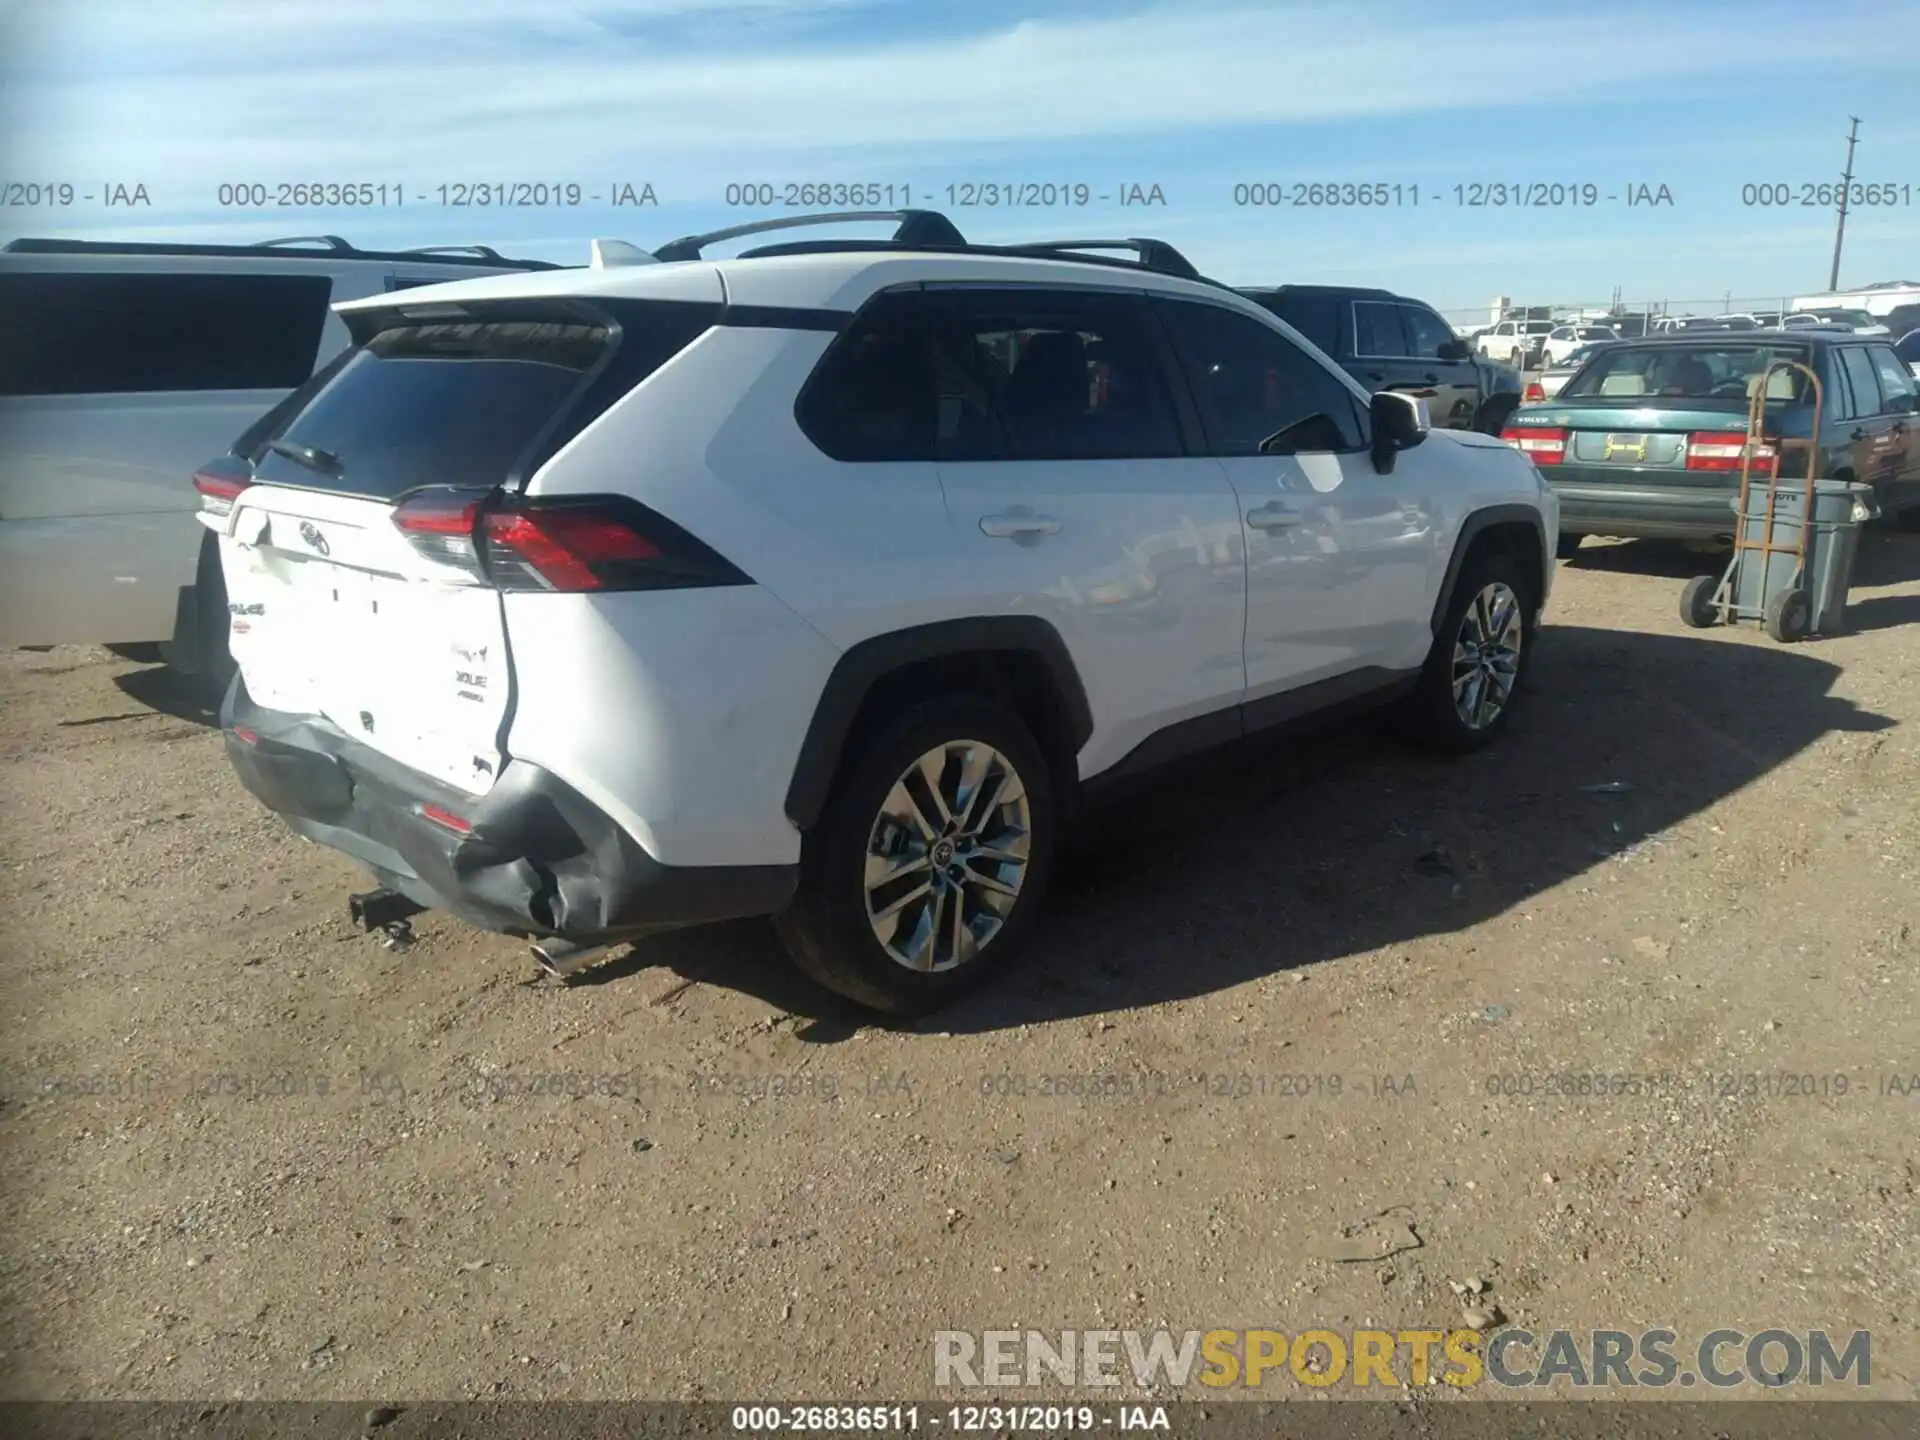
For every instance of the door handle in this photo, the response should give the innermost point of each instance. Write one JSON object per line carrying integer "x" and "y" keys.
{"x": 1272, "y": 516}
{"x": 1003, "y": 527}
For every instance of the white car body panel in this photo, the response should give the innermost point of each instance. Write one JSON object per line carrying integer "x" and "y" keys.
{"x": 97, "y": 535}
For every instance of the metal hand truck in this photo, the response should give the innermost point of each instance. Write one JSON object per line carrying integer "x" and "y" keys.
{"x": 1775, "y": 592}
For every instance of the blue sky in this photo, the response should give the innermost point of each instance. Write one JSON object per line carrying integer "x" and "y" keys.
{"x": 1702, "y": 96}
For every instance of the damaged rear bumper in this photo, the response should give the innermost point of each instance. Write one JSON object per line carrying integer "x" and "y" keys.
{"x": 538, "y": 860}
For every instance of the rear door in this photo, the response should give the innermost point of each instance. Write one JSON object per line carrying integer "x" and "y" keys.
{"x": 1898, "y": 401}
{"x": 337, "y": 611}
{"x": 1868, "y": 433}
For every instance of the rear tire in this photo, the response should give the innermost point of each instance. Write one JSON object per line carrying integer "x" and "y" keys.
{"x": 907, "y": 902}
{"x": 1697, "y": 610}
{"x": 1476, "y": 671}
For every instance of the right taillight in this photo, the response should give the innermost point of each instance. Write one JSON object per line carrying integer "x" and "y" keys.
{"x": 1535, "y": 391}
{"x": 572, "y": 544}
{"x": 1721, "y": 449}
{"x": 220, "y": 483}
{"x": 1542, "y": 446}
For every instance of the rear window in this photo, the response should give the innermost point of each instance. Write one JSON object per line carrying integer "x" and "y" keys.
{"x": 440, "y": 404}
{"x": 1690, "y": 374}
{"x": 120, "y": 334}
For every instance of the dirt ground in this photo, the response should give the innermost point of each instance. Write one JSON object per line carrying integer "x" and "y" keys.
{"x": 251, "y": 1153}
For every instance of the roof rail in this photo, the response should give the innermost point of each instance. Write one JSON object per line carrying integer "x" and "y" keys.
{"x": 485, "y": 252}
{"x": 917, "y": 228}
{"x": 332, "y": 242}
{"x": 1155, "y": 255}
{"x": 288, "y": 249}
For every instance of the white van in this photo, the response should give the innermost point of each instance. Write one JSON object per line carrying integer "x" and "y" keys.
{"x": 123, "y": 367}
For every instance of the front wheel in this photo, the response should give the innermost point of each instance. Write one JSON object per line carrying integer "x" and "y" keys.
{"x": 1477, "y": 667}
{"x": 929, "y": 861}
{"x": 1788, "y": 616}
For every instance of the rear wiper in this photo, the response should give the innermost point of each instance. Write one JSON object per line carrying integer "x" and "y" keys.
{"x": 323, "y": 461}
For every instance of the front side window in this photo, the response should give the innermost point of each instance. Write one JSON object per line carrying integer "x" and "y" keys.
{"x": 1376, "y": 329}
{"x": 1427, "y": 333}
{"x": 1257, "y": 391}
{"x": 92, "y": 333}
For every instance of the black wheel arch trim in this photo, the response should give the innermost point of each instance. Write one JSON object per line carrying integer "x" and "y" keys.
{"x": 864, "y": 665}
{"x": 1470, "y": 530}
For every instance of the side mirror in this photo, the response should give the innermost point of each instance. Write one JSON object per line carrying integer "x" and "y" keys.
{"x": 1454, "y": 350}
{"x": 1399, "y": 422}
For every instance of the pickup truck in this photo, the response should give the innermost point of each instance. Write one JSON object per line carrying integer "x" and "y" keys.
{"x": 1391, "y": 342}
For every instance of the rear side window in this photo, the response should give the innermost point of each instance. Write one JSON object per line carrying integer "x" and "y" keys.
{"x": 1254, "y": 385}
{"x": 436, "y": 404}
{"x": 1866, "y": 388}
{"x": 108, "y": 334}
{"x": 1376, "y": 329}
{"x": 986, "y": 375}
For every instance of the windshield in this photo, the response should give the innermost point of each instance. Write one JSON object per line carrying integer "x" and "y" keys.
{"x": 1711, "y": 373}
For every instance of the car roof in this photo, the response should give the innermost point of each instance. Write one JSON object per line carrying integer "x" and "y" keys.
{"x": 834, "y": 279}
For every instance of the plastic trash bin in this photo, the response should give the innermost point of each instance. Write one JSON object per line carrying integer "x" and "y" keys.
{"x": 1840, "y": 508}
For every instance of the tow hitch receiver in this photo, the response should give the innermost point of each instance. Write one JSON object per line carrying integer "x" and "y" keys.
{"x": 382, "y": 910}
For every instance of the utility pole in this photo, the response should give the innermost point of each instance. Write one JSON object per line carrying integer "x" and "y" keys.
{"x": 1846, "y": 184}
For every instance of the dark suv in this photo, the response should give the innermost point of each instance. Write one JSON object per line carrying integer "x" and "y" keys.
{"x": 1389, "y": 342}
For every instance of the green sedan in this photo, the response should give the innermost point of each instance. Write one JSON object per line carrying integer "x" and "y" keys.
{"x": 1647, "y": 438}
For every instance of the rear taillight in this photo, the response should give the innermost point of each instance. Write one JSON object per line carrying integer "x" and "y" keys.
{"x": 220, "y": 483}
{"x": 1721, "y": 450}
{"x": 1543, "y": 447}
{"x": 1534, "y": 391}
{"x": 446, "y": 819}
{"x": 567, "y": 543}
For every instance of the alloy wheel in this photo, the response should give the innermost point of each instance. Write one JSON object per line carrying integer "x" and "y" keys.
{"x": 947, "y": 855}
{"x": 1486, "y": 655}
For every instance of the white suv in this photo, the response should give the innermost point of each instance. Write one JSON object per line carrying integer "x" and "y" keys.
{"x": 123, "y": 366}
{"x": 828, "y": 581}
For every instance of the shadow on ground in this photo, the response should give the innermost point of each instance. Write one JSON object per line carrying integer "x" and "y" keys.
{"x": 161, "y": 688}
{"x": 1278, "y": 856}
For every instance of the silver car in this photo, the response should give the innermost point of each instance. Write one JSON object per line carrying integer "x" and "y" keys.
{"x": 1547, "y": 383}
